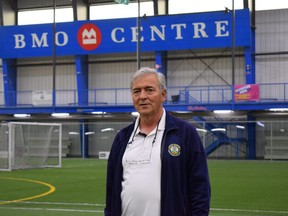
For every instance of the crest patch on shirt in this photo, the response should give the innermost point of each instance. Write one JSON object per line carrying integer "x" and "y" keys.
{"x": 174, "y": 149}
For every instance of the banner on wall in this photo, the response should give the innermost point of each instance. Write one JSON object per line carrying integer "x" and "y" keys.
{"x": 42, "y": 97}
{"x": 157, "y": 33}
{"x": 247, "y": 92}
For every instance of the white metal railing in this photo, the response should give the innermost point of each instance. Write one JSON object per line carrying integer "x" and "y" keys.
{"x": 269, "y": 92}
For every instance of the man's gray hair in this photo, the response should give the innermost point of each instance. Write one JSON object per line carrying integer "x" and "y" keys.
{"x": 145, "y": 71}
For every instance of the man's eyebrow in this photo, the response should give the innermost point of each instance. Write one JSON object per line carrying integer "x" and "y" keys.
{"x": 145, "y": 87}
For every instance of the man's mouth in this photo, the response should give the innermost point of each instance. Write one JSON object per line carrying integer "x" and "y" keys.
{"x": 143, "y": 104}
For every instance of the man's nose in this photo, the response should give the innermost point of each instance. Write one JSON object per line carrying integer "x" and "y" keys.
{"x": 143, "y": 94}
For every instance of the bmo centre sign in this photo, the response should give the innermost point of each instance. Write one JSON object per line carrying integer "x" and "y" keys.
{"x": 157, "y": 33}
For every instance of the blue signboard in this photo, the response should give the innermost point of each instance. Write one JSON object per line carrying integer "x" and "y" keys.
{"x": 157, "y": 33}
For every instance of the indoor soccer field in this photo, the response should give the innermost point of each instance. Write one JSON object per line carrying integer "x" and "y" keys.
{"x": 239, "y": 188}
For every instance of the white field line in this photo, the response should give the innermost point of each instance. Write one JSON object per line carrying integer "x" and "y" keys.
{"x": 51, "y": 209}
{"x": 56, "y": 209}
{"x": 62, "y": 203}
{"x": 249, "y": 210}
{"x": 102, "y": 205}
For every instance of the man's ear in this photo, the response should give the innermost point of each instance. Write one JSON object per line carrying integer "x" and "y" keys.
{"x": 164, "y": 94}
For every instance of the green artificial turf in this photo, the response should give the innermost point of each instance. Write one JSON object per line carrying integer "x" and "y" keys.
{"x": 249, "y": 185}
{"x": 239, "y": 188}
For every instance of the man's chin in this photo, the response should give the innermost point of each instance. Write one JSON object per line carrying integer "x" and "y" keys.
{"x": 144, "y": 112}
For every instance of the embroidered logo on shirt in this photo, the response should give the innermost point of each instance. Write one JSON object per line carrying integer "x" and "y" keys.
{"x": 174, "y": 149}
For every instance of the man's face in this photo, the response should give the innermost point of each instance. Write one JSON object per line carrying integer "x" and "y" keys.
{"x": 147, "y": 96}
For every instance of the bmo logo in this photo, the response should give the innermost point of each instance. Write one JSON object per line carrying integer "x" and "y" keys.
{"x": 89, "y": 36}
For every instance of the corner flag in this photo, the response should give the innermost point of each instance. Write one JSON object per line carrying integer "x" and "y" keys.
{"x": 122, "y": 1}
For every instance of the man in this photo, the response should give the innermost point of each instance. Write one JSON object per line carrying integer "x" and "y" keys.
{"x": 157, "y": 165}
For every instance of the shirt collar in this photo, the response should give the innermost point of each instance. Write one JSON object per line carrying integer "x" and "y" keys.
{"x": 161, "y": 123}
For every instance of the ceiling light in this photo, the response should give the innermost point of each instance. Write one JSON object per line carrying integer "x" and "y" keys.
{"x": 73, "y": 133}
{"x": 223, "y": 111}
{"x": 202, "y": 130}
{"x": 260, "y": 124}
{"x": 279, "y": 109}
{"x": 21, "y": 115}
{"x": 135, "y": 114}
{"x": 218, "y": 129}
{"x": 60, "y": 114}
{"x": 240, "y": 127}
{"x": 98, "y": 113}
{"x": 107, "y": 129}
{"x": 182, "y": 112}
{"x": 90, "y": 133}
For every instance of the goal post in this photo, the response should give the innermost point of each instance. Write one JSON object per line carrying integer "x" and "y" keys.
{"x": 26, "y": 145}
{"x": 4, "y": 147}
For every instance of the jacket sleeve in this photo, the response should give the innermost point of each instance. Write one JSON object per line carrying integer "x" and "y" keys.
{"x": 199, "y": 190}
{"x": 115, "y": 171}
{"x": 110, "y": 177}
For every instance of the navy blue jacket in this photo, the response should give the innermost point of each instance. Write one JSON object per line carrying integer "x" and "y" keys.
{"x": 185, "y": 185}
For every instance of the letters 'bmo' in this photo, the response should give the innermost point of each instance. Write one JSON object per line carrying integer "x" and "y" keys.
{"x": 61, "y": 39}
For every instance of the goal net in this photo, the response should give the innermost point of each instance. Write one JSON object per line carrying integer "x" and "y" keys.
{"x": 26, "y": 145}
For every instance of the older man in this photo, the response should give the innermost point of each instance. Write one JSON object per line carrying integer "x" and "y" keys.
{"x": 157, "y": 165}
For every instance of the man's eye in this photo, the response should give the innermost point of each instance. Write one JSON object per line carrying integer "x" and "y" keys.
{"x": 136, "y": 91}
{"x": 149, "y": 91}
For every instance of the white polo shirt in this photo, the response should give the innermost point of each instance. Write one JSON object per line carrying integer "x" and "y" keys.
{"x": 141, "y": 192}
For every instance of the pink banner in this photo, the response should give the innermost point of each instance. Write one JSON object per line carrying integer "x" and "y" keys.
{"x": 247, "y": 92}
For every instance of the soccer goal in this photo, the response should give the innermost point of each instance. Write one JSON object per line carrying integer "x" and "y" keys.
{"x": 25, "y": 145}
